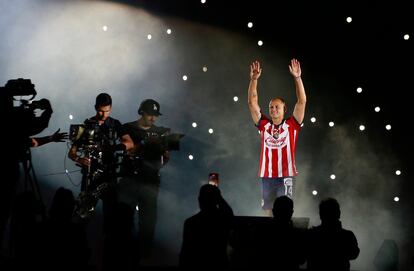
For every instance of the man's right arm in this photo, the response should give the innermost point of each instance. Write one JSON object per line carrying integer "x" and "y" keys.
{"x": 252, "y": 97}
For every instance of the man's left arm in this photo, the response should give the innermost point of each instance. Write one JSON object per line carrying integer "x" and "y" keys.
{"x": 299, "y": 110}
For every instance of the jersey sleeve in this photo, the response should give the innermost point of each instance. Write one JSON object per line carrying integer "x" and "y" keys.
{"x": 293, "y": 123}
{"x": 262, "y": 122}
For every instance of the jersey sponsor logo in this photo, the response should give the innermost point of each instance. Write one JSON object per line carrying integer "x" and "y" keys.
{"x": 273, "y": 143}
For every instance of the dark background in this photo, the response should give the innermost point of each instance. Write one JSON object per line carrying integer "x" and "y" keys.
{"x": 61, "y": 47}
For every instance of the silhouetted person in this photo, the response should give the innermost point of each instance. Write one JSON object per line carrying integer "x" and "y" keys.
{"x": 206, "y": 234}
{"x": 23, "y": 228}
{"x": 62, "y": 242}
{"x": 120, "y": 249}
{"x": 330, "y": 247}
{"x": 278, "y": 244}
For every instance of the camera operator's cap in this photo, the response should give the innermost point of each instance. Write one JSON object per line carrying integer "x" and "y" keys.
{"x": 149, "y": 106}
{"x": 213, "y": 176}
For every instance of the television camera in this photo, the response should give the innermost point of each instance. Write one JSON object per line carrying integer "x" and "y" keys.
{"x": 21, "y": 119}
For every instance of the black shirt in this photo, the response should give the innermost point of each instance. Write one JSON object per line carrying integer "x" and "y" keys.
{"x": 151, "y": 145}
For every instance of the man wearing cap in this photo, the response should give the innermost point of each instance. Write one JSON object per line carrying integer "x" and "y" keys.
{"x": 140, "y": 187}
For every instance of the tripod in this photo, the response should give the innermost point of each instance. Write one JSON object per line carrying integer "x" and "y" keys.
{"x": 30, "y": 181}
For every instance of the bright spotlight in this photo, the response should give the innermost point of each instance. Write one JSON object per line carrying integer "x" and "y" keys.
{"x": 194, "y": 124}
{"x": 210, "y": 131}
{"x": 260, "y": 43}
{"x": 406, "y": 37}
{"x": 398, "y": 172}
{"x": 205, "y": 69}
{"x": 333, "y": 177}
{"x": 361, "y": 127}
{"x": 331, "y": 124}
{"x": 70, "y": 116}
{"x": 149, "y": 36}
{"x": 388, "y": 127}
{"x": 104, "y": 28}
{"x": 349, "y": 19}
{"x": 185, "y": 77}
{"x": 235, "y": 98}
{"x": 359, "y": 90}
{"x": 396, "y": 199}
{"x": 377, "y": 109}
{"x": 137, "y": 208}
{"x": 203, "y": 1}
{"x": 249, "y": 24}
{"x": 314, "y": 192}
{"x": 169, "y": 31}
{"x": 313, "y": 119}
{"x": 190, "y": 157}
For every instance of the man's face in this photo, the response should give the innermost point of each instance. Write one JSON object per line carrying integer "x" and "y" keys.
{"x": 149, "y": 120}
{"x": 103, "y": 112}
{"x": 276, "y": 108}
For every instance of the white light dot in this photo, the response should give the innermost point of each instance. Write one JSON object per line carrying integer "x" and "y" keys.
{"x": 169, "y": 31}
{"x": 205, "y": 69}
{"x": 361, "y": 127}
{"x": 377, "y": 109}
{"x": 137, "y": 208}
{"x": 359, "y": 90}
{"x": 235, "y": 98}
{"x": 203, "y": 1}
{"x": 70, "y": 116}
{"x": 313, "y": 119}
{"x": 349, "y": 19}
{"x": 194, "y": 124}
{"x": 331, "y": 124}
{"x": 396, "y": 199}
{"x": 185, "y": 77}
{"x": 260, "y": 43}
{"x": 314, "y": 192}
{"x": 66, "y": 171}
{"x": 104, "y": 28}
{"x": 210, "y": 131}
{"x": 398, "y": 172}
{"x": 249, "y": 24}
{"x": 190, "y": 157}
{"x": 333, "y": 177}
{"x": 406, "y": 37}
{"x": 388, "y": 127}
{"x": 149, "y": 36}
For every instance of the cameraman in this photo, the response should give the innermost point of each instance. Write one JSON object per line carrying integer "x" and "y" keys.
{"x": 140, "y": 188}
{"x": 21, "y": 123}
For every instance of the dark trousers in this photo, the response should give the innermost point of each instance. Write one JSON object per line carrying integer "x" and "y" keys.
{"x": 140, "y": 192}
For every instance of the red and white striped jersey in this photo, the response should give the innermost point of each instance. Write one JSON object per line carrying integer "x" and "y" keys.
{"x": 277, "y": 156}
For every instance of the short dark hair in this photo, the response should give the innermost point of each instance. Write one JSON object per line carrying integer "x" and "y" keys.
{"x": 103, "y": 99}
{"x": 329, "y": 209}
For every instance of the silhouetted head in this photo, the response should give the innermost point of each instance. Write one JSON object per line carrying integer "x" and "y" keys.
{"x": 329, "y": 210}
{"x": 63, "y": 204}
{"x": 208, "y": 197}
{"x": 283, "y": 208}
